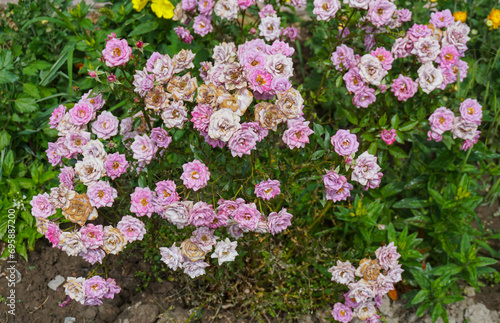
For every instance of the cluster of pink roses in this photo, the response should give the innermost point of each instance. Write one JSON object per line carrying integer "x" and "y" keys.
{"x": 428, "y": 43}
{"x": 90, "y": 291}
{"x": 463, "y": 127}
{"x": 201, "y": 13}
{"x": 257, "y": 70}
{"x": 236, "y": 216}
{"x": 365, "y": 169}
{"x": 377, "y": 278}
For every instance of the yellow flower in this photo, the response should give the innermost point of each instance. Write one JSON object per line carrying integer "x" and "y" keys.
{"x": 139, "y": 4}
{"x": 163, "y": 8}
{"x": 494, "y": 17}
{"x": 460, "y": 16}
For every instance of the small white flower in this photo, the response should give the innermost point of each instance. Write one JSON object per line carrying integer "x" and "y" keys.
{"x": 225, "y": 251}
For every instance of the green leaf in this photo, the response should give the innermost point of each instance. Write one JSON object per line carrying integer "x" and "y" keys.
{"x": 485, "y": 261}
{"x": 25, "y": 104}
{"x": 436, "y": 313}
{"x": 47, "y": 176}
{"x": 382, "y": 120}
{"x": 373, "y": 148}
{"x": 7, "y": 77}
{"x": 21, "y": 249}
{"x": 318, "y": 154}
{"x": 397, "y": 152}
{"x": 436, "y": 196}
{"x": 31, "y": 90}
{"x": 6, "y": 59}
{"x": 408, "y": 126}
{"x": 35, "y": 66}
{"x": 420, "y": 297}
{"x": 351, "y": 116}
{"x": 395, "y": 121}
{"x": 4, "y": 139}
{"x": 451, "y": 269}
{"x": 410, "y": 203}
{"x": 391, "y": 233}
{"x": 145, "y": 27}
{"x": 28, "y": 218}
{"x": 8, "y": 163}
{"x": 464, "y": 244}
{"x": 421, "y": 278}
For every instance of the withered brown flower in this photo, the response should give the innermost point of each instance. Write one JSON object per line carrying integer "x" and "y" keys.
{"x": 79, "y": 210}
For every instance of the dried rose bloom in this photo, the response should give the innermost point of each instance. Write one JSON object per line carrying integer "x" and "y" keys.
{"x": 207, "y": 94}
{"x": 183, "y": 60}
{"x": 368, "y": 269}
{"x": 191, "y": 250}
{"x": 290, "y": 103}
{"x": 80, "y": 210}
{"x": 60, "y": 196}
{"x": 182, "y": 87}
{"x": 114, "y": 241}
{"x": 268, "y": 115}
{"x": 157, "y": 99}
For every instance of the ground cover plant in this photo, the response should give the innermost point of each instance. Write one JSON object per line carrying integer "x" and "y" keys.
{"x": 299, "y": 142}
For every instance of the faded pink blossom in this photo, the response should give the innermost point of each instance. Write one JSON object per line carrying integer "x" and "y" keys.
{"x": 267, "y": 189}
{"x": 195, "y": 175}
{"x": 389, "y": 136}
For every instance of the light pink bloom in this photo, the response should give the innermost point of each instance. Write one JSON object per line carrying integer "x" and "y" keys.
{"x": 184, "y": 34}
{"x": 384, "y": 56}
{"x": 442, "y": 19}
{"x": 326, "y": 9}
{"x": 267, "y": 189}
{"x": 242, "y": 142}
{"x": 270, "y": 28}
{"x": 195, "y": 268}
{"x": 471, "y": 111}
{"x": 41, "y": 207}
{"x": 151, "y": 61}
{"x": 418, "y": 31}
{"x": 53, "y": 233}
{"x": 204, "y": 238}
{"x": 144, "y": 148}
{"x": 353, "y": 80}
{"x": 93, "y": 255}
{"x": 342, "y": 313}
{"x": 380, "y": 12}
{"x": 201, "y": 117}
{"x": 343, "y": 272}
{"x": 389, "y": 136}
{"x": 404, "y": 87}
{"x": 116, "y": 165}
{"x": 92, "y": 236}
{"x": 160, "y": 137}
{"x": 441, "y": 120}
{"x": 101, "y": 194}
{"x": 165, "y": 190}
{"x": 117, "y": 52}
{"x": 244, "y": 4}
{"x": 278, "y": 222}
{"x": 343, "y": 58}
{"x": 81, "y": 113}
{"x": 143, "y": 202}
{"x": 202, "y": 25}
{"x": 470, "y": 142}
{"x": 387, "y": 256}
{"x": 202, "y": 214}
{"x": 365, "y": 168}
{"x": 297, "y": 134}
{"x": 195, "y": 175}
{"x": 57, "y": 116}
{"x": 67, "y": 176}
{"x": 131, "y": 228}
{"x": 267, "y": 11}
{"x": 106, "y": 125}
{"x": 248, "y": 217}
{"x": 344, "y": 142}
{"x": 172, "y": 257}
{"x": 143, "y": 82}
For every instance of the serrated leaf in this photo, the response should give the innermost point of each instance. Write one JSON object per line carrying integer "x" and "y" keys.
{"x": 4, "y": 139}
{"x": 7, "y": 77}
{"x": 25, "y": 104}
{"x": 31, "y": 90}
